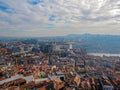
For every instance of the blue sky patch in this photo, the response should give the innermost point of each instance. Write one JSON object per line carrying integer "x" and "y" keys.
{"x": 35, "y": 2}
{"x": 52, "y": 18}
{"x": 5, "y": 8}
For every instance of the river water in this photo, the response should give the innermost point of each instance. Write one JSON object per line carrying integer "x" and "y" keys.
{"x": 101, "y": 54}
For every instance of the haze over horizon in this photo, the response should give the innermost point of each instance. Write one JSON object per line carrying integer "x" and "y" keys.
{"x": 23, "y": 18}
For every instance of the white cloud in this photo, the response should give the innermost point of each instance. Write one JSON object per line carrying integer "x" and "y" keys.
{"x": 69, "y": 14}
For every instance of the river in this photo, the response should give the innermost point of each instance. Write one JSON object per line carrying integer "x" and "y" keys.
{"x": 101, "y": 54}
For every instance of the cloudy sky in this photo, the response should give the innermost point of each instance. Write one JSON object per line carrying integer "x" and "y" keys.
{"x": 59, "y": 17}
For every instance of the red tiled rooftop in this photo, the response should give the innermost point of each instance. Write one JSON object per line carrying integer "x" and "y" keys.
{"x": 29, "y": 84}
{"x": 13, "y": 88}
{"x": 42, "y": 88}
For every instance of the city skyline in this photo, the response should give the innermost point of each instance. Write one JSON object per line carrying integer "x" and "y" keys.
{"x": 55, "y": 18}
